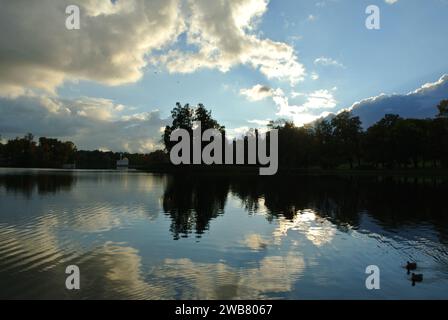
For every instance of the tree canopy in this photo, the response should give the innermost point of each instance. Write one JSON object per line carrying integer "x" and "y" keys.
{"x": 184, "y": 117}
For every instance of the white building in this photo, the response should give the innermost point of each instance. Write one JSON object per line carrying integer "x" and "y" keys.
{"x": 123, "y": 164}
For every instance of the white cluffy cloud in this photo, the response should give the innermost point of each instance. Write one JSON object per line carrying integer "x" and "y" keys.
{"x": 314, "y": 76}
{"x": 313, "y": 108}
{"x": 118, "y": 39}
{"x": 223, "y": 35}
{"x": 324, "y": 61}
{"x": 316, "y": 101}
{"x": 259, "y": 92}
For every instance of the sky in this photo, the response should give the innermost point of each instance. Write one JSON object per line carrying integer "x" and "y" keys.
{"x": 111, "y": 84}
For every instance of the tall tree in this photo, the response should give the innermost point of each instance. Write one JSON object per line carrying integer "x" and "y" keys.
{"x": 204, "y": 116}
{"x": 380, "y": 141}
{"x": 443, "y": 109}
{"x": 347, "y": 131}
{"x": 182, "y": 119}
{"x": 325, "y": 144}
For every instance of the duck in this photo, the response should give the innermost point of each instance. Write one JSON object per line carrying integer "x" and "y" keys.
{"x": 416, "y": 278}
{"x": 411, "y": 266}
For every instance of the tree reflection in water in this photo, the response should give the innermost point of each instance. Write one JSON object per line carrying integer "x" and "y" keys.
{"x": 192, "y": 201}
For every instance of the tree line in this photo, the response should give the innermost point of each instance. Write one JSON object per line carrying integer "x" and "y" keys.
{"x": 26, "y": 152}
{"x": 46, "y": 152}
{"x": 392, "y": 142}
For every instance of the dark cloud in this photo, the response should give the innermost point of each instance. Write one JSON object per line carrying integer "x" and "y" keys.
{"x": 90, "y": 123}
{"x": 420, "y": 103}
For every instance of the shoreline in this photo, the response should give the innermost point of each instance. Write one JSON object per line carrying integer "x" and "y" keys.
{"x": 247, "y": 170}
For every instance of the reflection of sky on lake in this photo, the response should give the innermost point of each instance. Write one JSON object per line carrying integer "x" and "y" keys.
{"x": 115, "y": 228}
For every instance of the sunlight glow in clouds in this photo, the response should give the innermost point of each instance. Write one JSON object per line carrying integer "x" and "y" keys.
{"x": 116, "y": 42}
{"x": 318, "y": 100}
{"x": 312, "y": 109}
{"x": 222, "y": 33}
{"x": 110, "y": 48}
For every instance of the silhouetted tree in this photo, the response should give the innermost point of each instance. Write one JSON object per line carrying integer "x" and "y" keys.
{"x": 347, "y": 132}
{"x": 325, "y": 144}
{"x": 2, "y": 146}
{"x": 21, "y": 151}
{"x": 54, "y": 153}
{"x": 380, "y": 142}
{"x": 182, "y": 119}
{"x": 443, "y": 109}
{"x": 204, "y": 116}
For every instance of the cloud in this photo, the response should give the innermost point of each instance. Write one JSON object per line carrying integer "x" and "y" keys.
{"x": 219, "y": 280}
{"x": 238, "y": 132}
{"x": 118, "y": 39}
{"x": 420, "y": 103}
{"x": 222, "y": 34}
{"x": 319, "y": 231}
{"x": 310, "y": 110}
{"x": 391, "y": 1}
{"x": 311, "y": 18}
{"x": 259, "y": 122}
{"x": 324, "y": 61}
{"x": 325, "y": 3}
{"x": 300, "y": 114}
{"x": 259, "y": 92}
{"x": 90, "y": 123}
{"x": 109, "y": 48}
{"x": 295, "y": 94}
{"x": 320, "y": 99}
{"x": 314, "y": 76}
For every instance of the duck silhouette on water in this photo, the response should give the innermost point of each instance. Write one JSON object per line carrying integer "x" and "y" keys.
{"x": 416, "y": 278}
{"x": 411, "y": 266}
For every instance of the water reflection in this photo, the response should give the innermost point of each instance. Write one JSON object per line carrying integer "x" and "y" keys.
{"x": 191, "y": 202}
{"x": 27, "y": 182}
{"x": 237, "y": 237}
{"x": 393, "y": 201}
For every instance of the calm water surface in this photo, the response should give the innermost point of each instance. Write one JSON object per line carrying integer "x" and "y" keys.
{"x": 139, "y": 235}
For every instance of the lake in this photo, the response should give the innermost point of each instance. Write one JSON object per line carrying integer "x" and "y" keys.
{"x": 138, "y": 235}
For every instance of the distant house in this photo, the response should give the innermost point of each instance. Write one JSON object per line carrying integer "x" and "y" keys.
{"x": 123, "y": 163}
{"x": 69, "y": 166}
